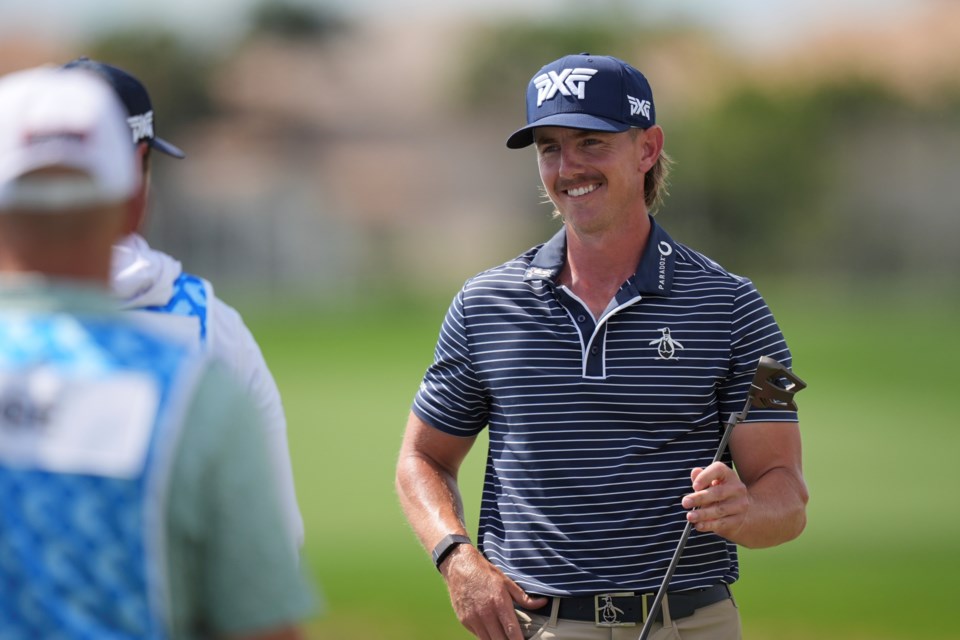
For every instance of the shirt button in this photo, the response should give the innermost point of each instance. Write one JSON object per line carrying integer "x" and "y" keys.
{"x": 594, "y": 350}
{"x": 581, "y": 318}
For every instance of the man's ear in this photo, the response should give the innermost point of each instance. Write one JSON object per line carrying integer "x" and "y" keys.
{"x": 137, "y": 205}
{"x": 650, "y": 142}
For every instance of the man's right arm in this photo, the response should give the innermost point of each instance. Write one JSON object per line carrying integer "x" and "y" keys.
{"x": 482, "y": 596}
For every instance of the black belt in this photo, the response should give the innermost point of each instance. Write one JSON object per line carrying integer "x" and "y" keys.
{"x": 628, "y": 609}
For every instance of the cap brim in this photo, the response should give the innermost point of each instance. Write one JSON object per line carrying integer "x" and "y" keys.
{"x": 162, "y": 145}
{"x": 524, "y": 137}
{"x": 55, "y": 194}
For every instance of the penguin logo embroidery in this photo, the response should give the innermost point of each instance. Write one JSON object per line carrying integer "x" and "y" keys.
{"x": 666, "y": 346}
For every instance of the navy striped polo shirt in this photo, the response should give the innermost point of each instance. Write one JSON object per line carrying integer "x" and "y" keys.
{"x": 595, "y": 426}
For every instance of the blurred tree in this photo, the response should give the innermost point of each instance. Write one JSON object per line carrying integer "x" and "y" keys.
{"x": 749, "y": 172}
{"x": 293, "y": 20}
{"x": 176, "y": 74}
{"x": 500, "y": 57}
{"x": 757, "y": 175}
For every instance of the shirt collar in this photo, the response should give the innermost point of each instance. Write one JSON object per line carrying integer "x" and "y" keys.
{"x": 36, "y": 293}
{"x": 655, "y": 272}
{"x": 654, "y": 275}
{"x": 549, "y": 258}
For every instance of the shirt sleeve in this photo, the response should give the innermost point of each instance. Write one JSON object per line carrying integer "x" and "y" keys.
{"x": 237, "y": 576}
{"x": 231, "y": 342}
{"x": 754, "y": 333}
{"x": 451, "y": 398}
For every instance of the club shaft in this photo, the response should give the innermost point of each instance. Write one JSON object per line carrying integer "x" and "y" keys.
{"x": 734, "y": 420}
{"x": 662, "y": 591}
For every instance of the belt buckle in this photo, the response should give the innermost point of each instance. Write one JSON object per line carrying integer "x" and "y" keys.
{"x": 606, "y": 612}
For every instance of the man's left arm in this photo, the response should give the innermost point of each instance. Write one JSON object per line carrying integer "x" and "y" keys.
{"x": 762, "y": 503}
{"x": 233, "y": 343}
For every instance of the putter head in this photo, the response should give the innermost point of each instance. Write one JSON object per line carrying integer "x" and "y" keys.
{"x": 774, "y": 385}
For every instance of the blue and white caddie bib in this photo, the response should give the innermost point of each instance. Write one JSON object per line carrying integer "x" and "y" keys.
{"x": 90, "y": 412}
{"x": 185, "y": 316}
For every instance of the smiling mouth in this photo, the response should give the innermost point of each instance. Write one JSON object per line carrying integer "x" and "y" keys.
{"x": 582, "y": 191}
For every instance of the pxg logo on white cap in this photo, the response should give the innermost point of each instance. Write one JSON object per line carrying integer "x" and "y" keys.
{"x": 597, "y": 93}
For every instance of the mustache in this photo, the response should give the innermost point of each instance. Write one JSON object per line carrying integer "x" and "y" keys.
{"x": 579, "y": 181}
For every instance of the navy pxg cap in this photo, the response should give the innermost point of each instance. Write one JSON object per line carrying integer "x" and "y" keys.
{"x": 135, "y": 98}
{"x": 598, "y": 93}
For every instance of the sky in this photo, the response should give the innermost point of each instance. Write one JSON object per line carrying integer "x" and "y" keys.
{"x": 747, "y": 23}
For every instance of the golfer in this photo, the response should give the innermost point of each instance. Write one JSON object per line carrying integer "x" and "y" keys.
{"x": 136, "y": 498}
{"x": 604, "y": 363}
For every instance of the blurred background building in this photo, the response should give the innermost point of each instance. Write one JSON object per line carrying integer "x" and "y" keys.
{"x": 334, "y": 147}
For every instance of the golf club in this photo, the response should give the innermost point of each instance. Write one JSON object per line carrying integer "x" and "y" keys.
{"x": 765, "y": 392}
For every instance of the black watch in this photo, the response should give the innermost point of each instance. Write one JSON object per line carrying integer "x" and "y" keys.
{"x": 446, "y": 546}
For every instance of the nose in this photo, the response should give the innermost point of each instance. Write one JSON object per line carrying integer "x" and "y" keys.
{"x": 570, "y": 164}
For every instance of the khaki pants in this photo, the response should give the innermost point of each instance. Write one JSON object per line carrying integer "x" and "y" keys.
{"x": 718, "y": 621}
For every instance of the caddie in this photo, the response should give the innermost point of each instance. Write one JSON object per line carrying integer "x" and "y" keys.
{"x": 136, "y": 497}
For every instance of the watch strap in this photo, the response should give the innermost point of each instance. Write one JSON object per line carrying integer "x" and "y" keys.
{"x": 446, "y": 546}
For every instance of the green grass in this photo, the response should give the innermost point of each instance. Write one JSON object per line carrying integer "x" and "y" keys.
{"x": 878, "y": 558}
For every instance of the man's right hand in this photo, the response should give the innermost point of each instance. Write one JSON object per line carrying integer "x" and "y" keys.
{"x": 483, "y": 596}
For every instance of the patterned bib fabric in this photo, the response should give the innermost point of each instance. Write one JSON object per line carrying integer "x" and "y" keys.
{"x": 189, "y": 299}
{"x": 90, "y": 410}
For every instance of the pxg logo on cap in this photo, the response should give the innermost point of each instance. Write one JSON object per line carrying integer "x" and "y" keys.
{"x": 568, "y": 82}
{"x": 136, "y": 100}
{"x": 598, "y": 93}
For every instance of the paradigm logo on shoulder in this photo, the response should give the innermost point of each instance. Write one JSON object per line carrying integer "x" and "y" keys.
{"x": 638, "y": 106}
{"x": 665, "y": 250}
{"x": 568, "y": 82}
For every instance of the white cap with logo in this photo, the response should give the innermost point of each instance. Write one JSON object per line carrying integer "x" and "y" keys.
{"x": 63, "y": 118}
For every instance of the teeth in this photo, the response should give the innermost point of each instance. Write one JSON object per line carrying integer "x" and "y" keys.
{"x": 581, "y": 191}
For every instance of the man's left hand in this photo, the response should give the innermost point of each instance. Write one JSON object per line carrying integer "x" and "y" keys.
{"x": 719, "y": 502}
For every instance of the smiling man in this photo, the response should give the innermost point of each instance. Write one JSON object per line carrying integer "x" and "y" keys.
{"x": 604, "y": 363}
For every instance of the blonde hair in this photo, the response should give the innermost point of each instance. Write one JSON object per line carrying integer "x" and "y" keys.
{"x": 656, "y": 182}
